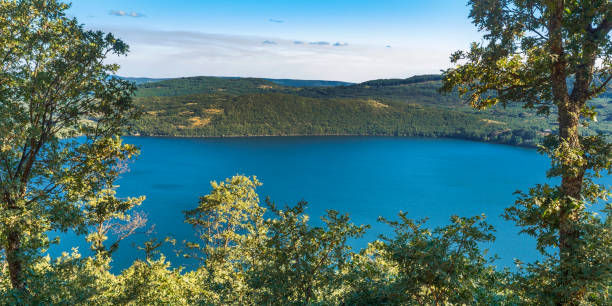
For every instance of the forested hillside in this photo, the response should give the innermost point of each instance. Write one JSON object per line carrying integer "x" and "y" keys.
{"x": 222, "y": 107}
{"x": 212, "y": 106}
{"x": 198, "y": 85}
{"x": 424, "y": 90}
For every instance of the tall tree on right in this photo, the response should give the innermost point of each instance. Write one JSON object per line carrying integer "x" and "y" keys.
{"x": 553, "y": 56}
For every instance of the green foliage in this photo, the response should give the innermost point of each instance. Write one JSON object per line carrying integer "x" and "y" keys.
{"x": 590, "y": 266}
{"x": 230, "y": 225}
{"x": 301, "y": 264}
{"x": 554, "y": 56}
{"x": 153, "y": 283}
{"x": 425, "y": 267}
{"x": 284, "y": 114}
{"x": 249, "y": 259}
{"x": 60, "y": 153}
{"x": 200, "y": 85}
{"x": 399, "y": 107}
{"x": 60, "y": 117}
{"x": 227, "y": 217}
{"x": 539, "y": 213}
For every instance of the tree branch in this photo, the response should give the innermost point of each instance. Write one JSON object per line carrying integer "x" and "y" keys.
{"x": 601, "y": 87}
{"x": 605, "y": 26}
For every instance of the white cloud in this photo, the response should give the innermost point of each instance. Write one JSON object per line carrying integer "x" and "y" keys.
{"x": 177, "y": 54}
{"x": 319, "y": 43}
{"x": 269, "y": 42}
{"x": 340, "y": 44}
{"x": 117, "y": 13}
{"x": 276, "y": 20}
{"x": 134, "y": 14}
{"x": 121, "y": 13}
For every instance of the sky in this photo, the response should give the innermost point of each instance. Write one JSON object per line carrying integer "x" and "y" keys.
{"x": 354, "y": 41}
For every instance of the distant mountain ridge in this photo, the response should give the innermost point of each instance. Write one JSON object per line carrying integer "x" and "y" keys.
{"x": 282, "y": 82}
{"x": 309, "y": 83}
{"x": 395, "y": 82}
{"x": 139, "y": 81}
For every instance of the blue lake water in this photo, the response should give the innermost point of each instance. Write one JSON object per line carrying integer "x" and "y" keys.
{"x": 366, "y": 177}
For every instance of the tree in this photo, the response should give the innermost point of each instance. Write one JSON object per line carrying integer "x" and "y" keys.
{"x": 230, "y": 226}
{"x": 249, "y": 259}
{"x": 226, "y": 217}
{"x": 61, "y": 112}
{"x": 300, "y": 263}
{"x": 429, "y": 267}
{"x": 552, "y": 55}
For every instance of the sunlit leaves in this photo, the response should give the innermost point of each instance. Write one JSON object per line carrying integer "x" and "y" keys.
{"x": 61, "y": 114}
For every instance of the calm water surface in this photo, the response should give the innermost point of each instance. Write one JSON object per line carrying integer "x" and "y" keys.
{"x": 366, "y": 177}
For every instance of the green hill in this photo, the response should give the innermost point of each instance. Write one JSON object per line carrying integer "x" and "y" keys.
{"x": 211, "y": 106}
{"x": 204, "y": 84}
{"x": 284, "y": 114}
{"x": 209, "y": 85}
{"x": 418, "y": 89}
{"x": 424, "y": 90}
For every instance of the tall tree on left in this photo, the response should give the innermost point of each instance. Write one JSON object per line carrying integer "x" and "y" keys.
{"x": 61, "y": 114}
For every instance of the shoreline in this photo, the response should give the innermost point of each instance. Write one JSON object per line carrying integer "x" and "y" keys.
{"x": 335, "y": 135}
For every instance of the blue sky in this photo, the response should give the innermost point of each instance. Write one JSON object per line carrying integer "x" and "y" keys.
{"x": 345, "y": 40}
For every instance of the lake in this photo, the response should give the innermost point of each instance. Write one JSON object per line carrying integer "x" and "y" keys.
{"x": 366, "y": 177}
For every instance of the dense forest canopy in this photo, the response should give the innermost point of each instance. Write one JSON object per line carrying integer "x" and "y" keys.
{"x": 210, "y": 106}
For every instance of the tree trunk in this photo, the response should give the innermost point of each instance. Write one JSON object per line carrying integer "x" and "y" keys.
{"x": 571, "y": 188}
{"x": 14, "y": 259}
{"x": 571, "y": 181}
{"x": 14, "y": 250}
